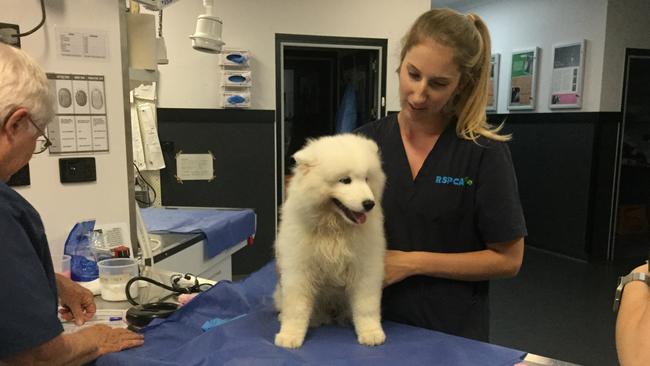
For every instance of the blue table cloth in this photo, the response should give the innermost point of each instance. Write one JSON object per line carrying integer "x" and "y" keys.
{"x": 248, "y": 338}
{"x": 222, "y": 228}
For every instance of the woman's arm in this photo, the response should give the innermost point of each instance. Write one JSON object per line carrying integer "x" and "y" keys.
{"x": 499, "y": 260}
{"x": 633, "y": 323}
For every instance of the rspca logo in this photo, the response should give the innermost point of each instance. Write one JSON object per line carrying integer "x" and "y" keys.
{"x": 460, "y": 182}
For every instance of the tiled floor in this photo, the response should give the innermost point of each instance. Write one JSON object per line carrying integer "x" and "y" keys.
{"x": 559, "y": 308}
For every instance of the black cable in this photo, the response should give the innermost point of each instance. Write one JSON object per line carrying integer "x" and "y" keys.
{"x": 197, "y": 287}
{"x": 149, "y": 201}
{"x": 147, "y": 279}
{"x": 148, "y": 187}
{"x": 39, "y": 24}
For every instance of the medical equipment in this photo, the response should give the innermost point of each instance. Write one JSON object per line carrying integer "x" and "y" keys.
{"x": 235, "y": 58}
{"x": 207, "y": 34}
{"x": 140, "y": 315}
{"x": 236, "y": 78}
{"x": 234, "y": 99}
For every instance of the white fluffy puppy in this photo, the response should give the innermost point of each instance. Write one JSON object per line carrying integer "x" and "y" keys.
{"x": 330, "y": 245}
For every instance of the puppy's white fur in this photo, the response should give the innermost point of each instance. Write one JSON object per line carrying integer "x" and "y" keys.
{"x": 331, "y": 262}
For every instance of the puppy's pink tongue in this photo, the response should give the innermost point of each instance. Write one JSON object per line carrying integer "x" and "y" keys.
{"x": 360, "y": 218}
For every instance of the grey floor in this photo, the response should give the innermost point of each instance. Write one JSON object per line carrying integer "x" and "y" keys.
{"x": 557, "y": 307}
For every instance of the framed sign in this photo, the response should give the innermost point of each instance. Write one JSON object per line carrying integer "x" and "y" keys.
{"x": 523, "y": 79}
{"x": 568, "y": 66}
{"x": 493, "y": 83}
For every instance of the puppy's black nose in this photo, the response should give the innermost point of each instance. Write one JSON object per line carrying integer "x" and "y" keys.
{"x": 368, "y": 204}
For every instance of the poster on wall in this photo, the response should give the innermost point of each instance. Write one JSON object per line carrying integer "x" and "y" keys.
{"x": 523, "y": 79}
{"x": 80, "y": 124}
{"x": 493, "y": 83}
{"x": 566, "y": 84}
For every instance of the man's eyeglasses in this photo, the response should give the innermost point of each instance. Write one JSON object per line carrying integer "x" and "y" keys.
{"x": 44, "y": 143}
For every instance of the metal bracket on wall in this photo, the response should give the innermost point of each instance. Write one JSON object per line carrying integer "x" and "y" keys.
{"x": 8, "y": 34}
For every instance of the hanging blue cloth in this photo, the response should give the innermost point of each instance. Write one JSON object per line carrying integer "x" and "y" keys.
{"x": 233, "y": 339}
{"x": 346, "y": 116}
{"x": 223, "y": 228}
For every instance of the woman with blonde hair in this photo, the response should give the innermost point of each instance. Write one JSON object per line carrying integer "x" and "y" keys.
{"x": 453, "y": 219}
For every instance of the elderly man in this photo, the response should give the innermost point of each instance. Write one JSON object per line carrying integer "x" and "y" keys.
{"x": 30, "y": 331}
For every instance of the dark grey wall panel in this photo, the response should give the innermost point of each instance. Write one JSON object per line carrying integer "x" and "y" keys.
{"x": 603, "y": 180}
{"x": 242, "y": 142}
{"x": 562, "y": 178}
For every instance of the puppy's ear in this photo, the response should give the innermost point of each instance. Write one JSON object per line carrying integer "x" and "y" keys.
{"x": 302, "y": 157}
{"x": 305, "y": 160}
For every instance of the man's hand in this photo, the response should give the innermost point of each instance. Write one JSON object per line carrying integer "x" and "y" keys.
{"x": 397, "y": 266}
{"x": 78, "y": 302}
{"x": 77, "y": 348}
{"x": 108, "y": 339}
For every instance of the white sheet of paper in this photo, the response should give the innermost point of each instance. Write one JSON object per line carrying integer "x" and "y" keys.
{"x": 102, "y": 316}
{"x": 70, "y": 43}
{"x": 194, "y": 166}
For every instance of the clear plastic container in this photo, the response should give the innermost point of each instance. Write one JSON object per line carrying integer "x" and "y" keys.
{"x": 114, "y": 274}
{"x": 65, "y": 265}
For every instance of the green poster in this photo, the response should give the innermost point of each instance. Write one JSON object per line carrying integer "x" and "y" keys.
{"x": 522, "y": 64}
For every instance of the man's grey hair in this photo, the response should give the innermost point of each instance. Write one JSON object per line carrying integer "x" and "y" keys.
{"x": 23, "y": 84}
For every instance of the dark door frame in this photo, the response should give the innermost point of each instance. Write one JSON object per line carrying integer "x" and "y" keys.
{"x": 630, "y": 53}
{"x": 283, "y": 40}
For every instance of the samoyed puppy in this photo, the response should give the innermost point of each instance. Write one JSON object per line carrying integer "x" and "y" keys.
{"x": 330, "y": 245}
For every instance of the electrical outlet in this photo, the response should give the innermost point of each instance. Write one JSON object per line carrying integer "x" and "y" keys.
{"x": 74, "y": 170}
{"x": 8, "y": 34}
{"x": 21, "y": 177}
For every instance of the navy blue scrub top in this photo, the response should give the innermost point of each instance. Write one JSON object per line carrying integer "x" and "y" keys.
{"x": 28, "y": 310}
{"x": 464, "y": 196}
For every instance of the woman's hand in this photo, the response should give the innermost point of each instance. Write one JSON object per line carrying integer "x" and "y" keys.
{"x": 398, "y": 266}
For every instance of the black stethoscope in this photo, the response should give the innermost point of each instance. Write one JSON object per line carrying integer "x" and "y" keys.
{"x": 140, "y": 315}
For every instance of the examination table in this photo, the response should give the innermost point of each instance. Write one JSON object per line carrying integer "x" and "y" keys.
{"x": 240, "y": 325}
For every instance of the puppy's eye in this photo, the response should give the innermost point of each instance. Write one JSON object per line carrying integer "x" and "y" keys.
{"x": 345, "y": 180}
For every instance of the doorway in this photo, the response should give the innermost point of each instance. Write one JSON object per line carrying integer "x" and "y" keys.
{"x": 630, "y": 237}
{"x": 324, "y": 86}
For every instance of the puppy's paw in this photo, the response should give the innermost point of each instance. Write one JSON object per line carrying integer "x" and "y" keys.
{"x": 373, "y": 337}
{"x": 288, "y": 340}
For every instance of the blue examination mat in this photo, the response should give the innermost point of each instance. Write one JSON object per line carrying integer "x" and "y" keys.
{"x": 235, "y": 324}
{"x": 223, "y": 228}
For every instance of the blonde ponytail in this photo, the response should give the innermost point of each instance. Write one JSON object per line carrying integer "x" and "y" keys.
{"x": 472, "y": 119}
{"x": 469, "y": 38}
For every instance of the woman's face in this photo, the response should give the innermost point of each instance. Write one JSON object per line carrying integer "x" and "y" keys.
{"x": 428, "y": 78}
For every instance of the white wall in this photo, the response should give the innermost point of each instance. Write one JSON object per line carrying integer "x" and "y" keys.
{"x": 191, "y": 79}
{"x": 528, "y": 23}
{"x": 106, "y": 200}
{"x": 628, "y": 26}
